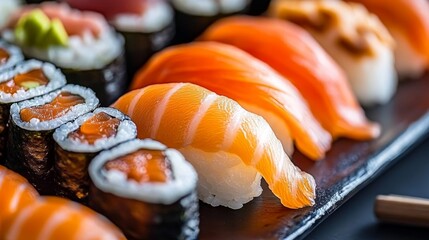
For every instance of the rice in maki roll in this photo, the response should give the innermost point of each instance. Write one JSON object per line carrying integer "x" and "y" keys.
{"x": 78, "y": 142}
{"x": 9, "y": 56}
{"x": 82, "y": 44}
{"x": 7, "y": 7}
{"x": 193, "y": 17}
{"x": 147, "y": 190}
{"x": 26, "y": 80}
{"x": 32, "y": 123}
{"x": 147, "y": 25}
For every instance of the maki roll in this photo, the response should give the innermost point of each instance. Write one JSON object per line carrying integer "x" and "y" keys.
{"x": 7, "y": 7}
{"x": 9, "y": 56}
{"x": 147, "y": 25}
{"x": 78, "y": 142}
{"x": 32, "y": 124}
{"x": 193, "y": 17}
{"x": 27, "y": 80}
{"x": 147, "y": 190}
{"x": 82, "y": 44}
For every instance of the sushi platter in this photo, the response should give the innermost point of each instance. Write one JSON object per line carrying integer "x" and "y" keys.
{"x": 182, "y": 119}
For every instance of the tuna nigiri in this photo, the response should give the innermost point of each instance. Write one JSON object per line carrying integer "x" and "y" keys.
{"x": 408, "y": 22}
{"x": 229, "y": 147}
{"x": 355, "y": 39}
{"x": 15, "y": 193}
{"x": 298, "y": 57}
{"x": 57, "y": 218}
{"x": 232, "y": 72}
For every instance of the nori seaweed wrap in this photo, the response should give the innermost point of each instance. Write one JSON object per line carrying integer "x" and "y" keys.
{"x": 78, "y": 142}
{"x": 147, "y": 190}
{"x": 32, "y": 123}
{"x": 82, "y": 44}
{"x": 258, "y": 7}
{"x": 193, "y": 17}
{"x": 24, "y": 81}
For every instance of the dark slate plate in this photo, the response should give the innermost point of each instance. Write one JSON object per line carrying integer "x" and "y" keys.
{"x": 348, "y": 167}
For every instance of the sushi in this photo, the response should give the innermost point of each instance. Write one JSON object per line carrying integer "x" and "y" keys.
{"x": 7, "y": 7}
{"x": 147, "y": 25}
{"x": 193, "y": 17}
{"x": 292, "y": 52}
{"x": 32, "y": 124}
{"x": 15, "y": 193}
{"x": 229, "y": 147}
{"x": 82, "y": 44}
{"x": 233, "y": 73}
{"x": 408, "y": 22}
{"x": 147, "y": 190}
{"x": 78, "y": 142}
{"x": 9, "y": 56}
{"x": 354, "y": 38}
{"x": 26, "y": 80}
{"x": 56, "y": 218}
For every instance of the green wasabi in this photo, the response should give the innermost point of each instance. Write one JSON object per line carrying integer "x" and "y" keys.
{"x": 37, "y": 30}
{"x": 31, "y": 27}
{"x": 56, "y": 35}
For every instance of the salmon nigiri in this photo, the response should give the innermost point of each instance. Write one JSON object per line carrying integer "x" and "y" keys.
{"x": 15, "y": 193}
{"x": 232, "y": 72}
{"x": 57, "y": 218}
{"x": 298, "y": 57}
{"x": 229, "y": 147}
{"x": 408, "y": 22}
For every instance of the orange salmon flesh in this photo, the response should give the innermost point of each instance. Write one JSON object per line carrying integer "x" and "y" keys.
{"x": 143, "y": 166}
{"x": 58, "y": 107}
{"x": 20, "y": 81}
{"x": 4, "y": 56}
{"x": 99, "y": 126}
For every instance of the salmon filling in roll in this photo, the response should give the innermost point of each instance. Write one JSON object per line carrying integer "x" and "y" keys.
{"x": 25, "y": 81}
{"x": 143, "y": 166}
{"x": 52, "y": 110}
{"x": 98, "y": 126}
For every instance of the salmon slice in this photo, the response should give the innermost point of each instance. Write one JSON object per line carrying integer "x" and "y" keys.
{"x": 294, "y": 53}
{"x": 199, "y": 122}
{"x": 231, "y": 72}
{"x": 99, "y": 126}
{"x": 75, "y": 22}
{"x": 4, "y": 56}
{"x": 143, "y": 166}
{"x": 58, "y": 107}
{"x": 57, "y": 218}
{"x": 15, "y": 192}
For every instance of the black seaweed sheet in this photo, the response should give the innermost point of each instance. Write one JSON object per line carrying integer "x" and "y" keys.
{"x": 348, "y": 167}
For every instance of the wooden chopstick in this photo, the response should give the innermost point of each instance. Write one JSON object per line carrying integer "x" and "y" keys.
{"x": 402, "y": 210}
